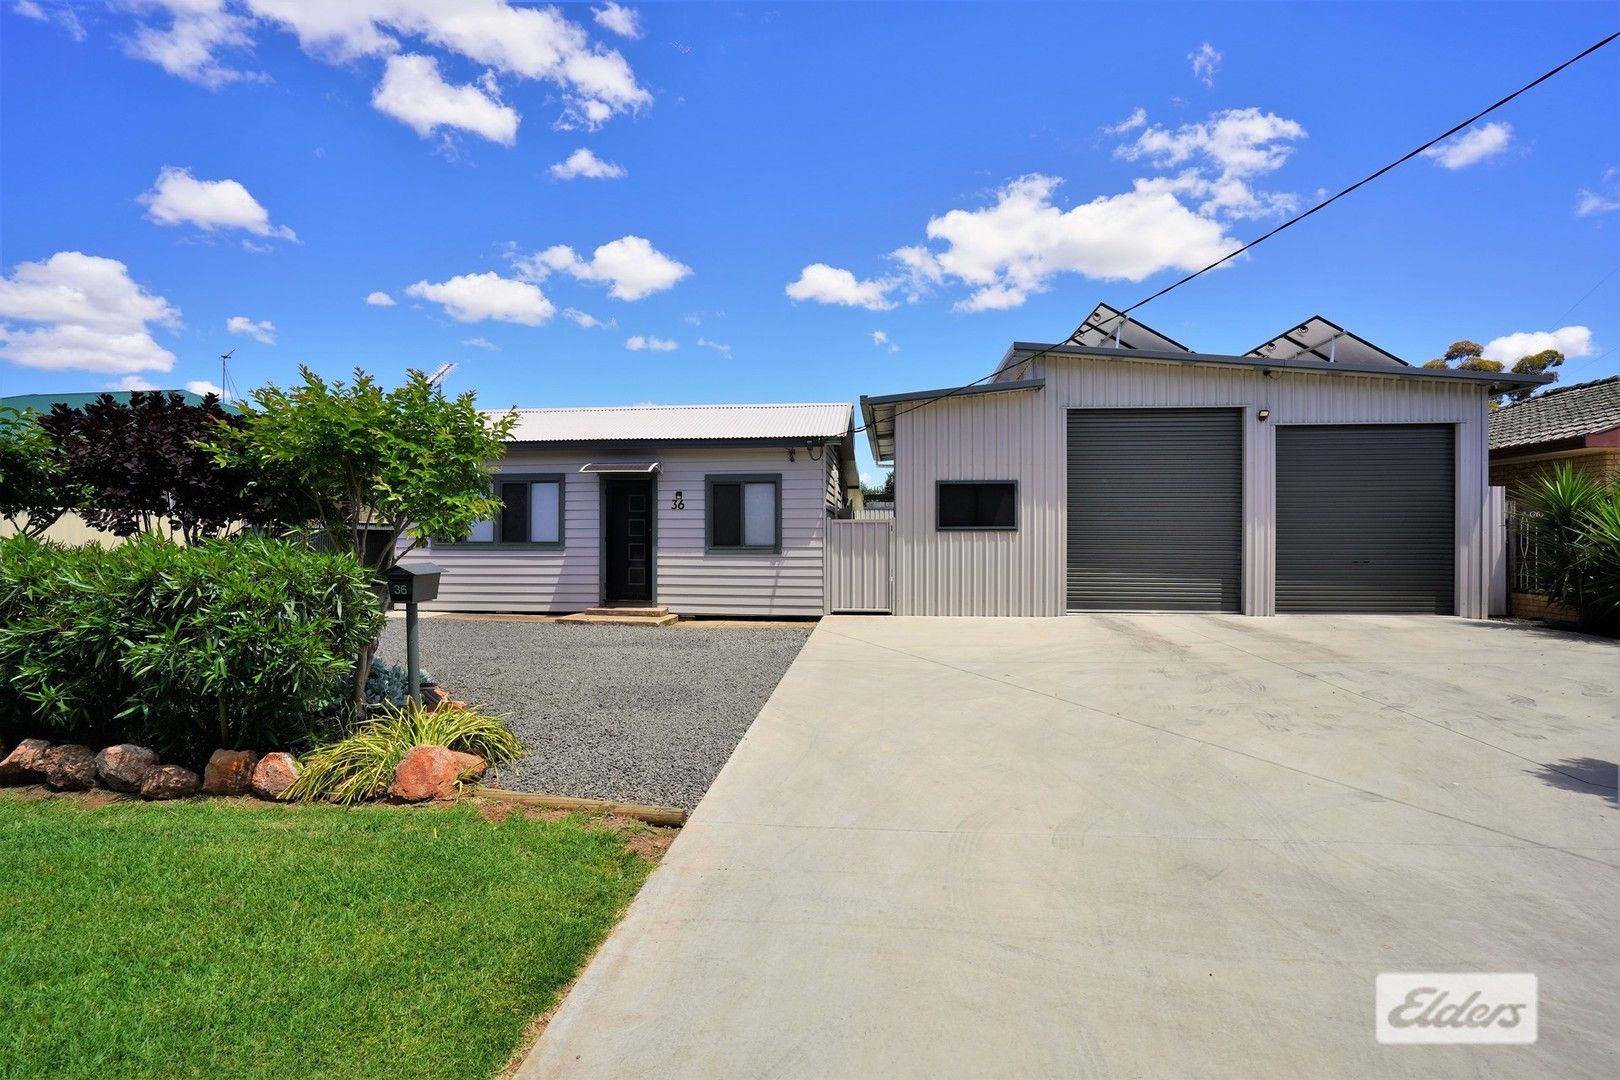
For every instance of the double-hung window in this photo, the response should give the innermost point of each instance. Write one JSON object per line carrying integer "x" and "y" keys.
{"x": 531, "y": 511}
{"x": 745, "y": 513}
{"x": 983, "y": 505}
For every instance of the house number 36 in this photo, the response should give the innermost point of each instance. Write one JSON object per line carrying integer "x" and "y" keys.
{"x": 678, "y": 502}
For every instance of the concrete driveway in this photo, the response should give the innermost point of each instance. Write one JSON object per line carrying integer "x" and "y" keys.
{"x": 1129, "y": 846}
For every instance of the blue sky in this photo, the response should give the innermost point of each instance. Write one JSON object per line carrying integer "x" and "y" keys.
{"x": 779, "y": 201}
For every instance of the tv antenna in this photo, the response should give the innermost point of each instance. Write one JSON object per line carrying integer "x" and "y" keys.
{"x": 436, "y": 380}
{"x": 225, "y": 384}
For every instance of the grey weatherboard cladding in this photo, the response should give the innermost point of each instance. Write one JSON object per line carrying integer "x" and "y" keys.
{"x": 1155, "y": 507}
{"x": 1366, "y": 519}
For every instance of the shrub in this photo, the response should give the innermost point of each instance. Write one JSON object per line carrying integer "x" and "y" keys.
{"x": 1576, "y": 518}
{"x": 229, "y": 642}
{"x": 362, "y": 765}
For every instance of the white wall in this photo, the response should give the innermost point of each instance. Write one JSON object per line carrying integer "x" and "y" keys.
{"x": 1022, "y": 435}
{"x": 689, "y": 581}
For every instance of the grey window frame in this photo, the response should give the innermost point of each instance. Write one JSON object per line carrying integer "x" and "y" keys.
{"x": 940, "y": 485}
{"x": 561, "y": 480}
{"x": 709, "y": 481}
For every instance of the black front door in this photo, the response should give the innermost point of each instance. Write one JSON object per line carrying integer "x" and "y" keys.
{"x": 627, "y": 500}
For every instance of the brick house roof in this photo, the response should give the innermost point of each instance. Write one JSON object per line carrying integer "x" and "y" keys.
{"x": 1566, "y": 413}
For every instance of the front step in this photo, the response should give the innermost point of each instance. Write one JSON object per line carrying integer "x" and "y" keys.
{"x": 623, "y": 616}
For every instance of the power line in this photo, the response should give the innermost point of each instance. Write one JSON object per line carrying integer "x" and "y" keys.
{"x": 1290, "y": 223}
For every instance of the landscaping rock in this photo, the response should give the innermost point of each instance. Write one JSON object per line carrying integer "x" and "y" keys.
{"x": 126, "y": 766}
{"x": 229, "y": 772}
{"x": 273, "y": 775}
{"x": 22, "y": 765}
{"x": 69, "y": 767}
{"x": 171, "y": 782}
{"x": 431, "y": 772}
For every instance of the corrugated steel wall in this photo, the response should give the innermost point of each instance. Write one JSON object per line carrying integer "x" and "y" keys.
{"x": 689, "y": 580}
{"x": 860, "y": 566}
{"x": 1021, "y": 436}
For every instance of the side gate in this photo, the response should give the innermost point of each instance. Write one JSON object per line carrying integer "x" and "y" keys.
{"x": 859, "y": 572}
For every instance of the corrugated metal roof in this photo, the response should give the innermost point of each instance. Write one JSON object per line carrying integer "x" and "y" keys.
{"x": 1566, "y": 413}
{"x": 678, "y": 423}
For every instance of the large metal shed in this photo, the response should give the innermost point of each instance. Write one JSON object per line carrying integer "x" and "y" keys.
{"x": 1123, "y": 472}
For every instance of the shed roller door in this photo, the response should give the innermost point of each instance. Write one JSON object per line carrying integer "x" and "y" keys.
{"x": 1155, "y": 510}
{"x": 1366, "y": 519}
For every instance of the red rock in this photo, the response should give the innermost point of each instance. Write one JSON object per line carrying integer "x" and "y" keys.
{"x": 22, "y": 765}
{"x": 170, "y": 782}
{"x": 229, "y": 772}
{"x": 432, "y": 772}
{"x": 69, "y": 767}
{"x": 273, "y": 775}
{"x": 125, "y": 766}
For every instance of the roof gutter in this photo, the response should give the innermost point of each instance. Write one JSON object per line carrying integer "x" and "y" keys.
{"x": 1495, "y": 382}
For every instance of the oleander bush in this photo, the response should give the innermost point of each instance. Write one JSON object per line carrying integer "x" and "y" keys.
{"x": 229, "y": 642}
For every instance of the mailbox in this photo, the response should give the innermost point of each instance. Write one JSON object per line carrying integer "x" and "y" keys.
{"x": 413, "y": 583}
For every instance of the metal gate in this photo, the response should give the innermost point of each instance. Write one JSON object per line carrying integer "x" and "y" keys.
{"x": 1155, "y": 510}
{"x": 859, "y": 568}
{"x": 1366, "y": 519}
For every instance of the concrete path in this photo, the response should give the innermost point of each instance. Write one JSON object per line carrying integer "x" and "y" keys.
{"x": 1133, "y": 846}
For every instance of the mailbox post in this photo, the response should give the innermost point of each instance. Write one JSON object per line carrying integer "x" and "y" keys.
{"x": 412, "y": 584}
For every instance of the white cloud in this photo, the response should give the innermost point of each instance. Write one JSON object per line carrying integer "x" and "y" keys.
{"x": 202, "y": 388}
{"x": 1572, "y": 341}
{"x": 189, "y": 46}
{"x": 723, "y": 350}
{"x": 624, "y": 21}
{"x": 833, "y": 285}
{"x": 192, "y": 39}
{"x": 482, "y": 343}
{"x": 586, "y": 321}
{"x": 178, "y": 198}
{"x": 1138, "y": 118}
{"x": 87, "y": 314}
{"x": 636, "y": 343}
{"x": 1206, "y": 62}
{"x": 1012, "y": 248}
{"x": 630, "y": 264}
{"x": 1472, "y": 146}
{"x": 263, "y": 331}
{"x": 881, "y": 340}
{"x": 130, "y": 383}
{"x": 413, "y": 92}
{"x": 476, "y": 297}
{"x": 584, "y": 163}
{"x": 379, "y": 299}
{"x": 1603, "y": 201}
{"x": 60, "y": 13}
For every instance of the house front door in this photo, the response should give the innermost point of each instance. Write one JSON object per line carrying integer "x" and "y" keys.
{"x": 628, "y": 528}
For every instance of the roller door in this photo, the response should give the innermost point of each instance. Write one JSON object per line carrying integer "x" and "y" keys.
{"x": 1155, "y": 502}
{"x": 1366, "y": 519}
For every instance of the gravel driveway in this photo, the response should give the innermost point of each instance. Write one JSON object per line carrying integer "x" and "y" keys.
{"x": 631, "y": 713}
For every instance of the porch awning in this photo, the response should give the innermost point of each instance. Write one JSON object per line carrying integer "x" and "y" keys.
{"x": 621, "y": 467}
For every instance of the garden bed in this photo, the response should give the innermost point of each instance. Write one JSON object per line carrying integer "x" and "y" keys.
{"x": 249, "y": 939}
{"x": 624, "y": 713}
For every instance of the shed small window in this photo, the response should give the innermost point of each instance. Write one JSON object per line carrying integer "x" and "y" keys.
{"x": 744, "y": 513}
{"x": 531, "y": 512}
{"x": 978, "y": 505}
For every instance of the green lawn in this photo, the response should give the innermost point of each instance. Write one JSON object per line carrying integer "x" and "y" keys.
{"x": 233, "y": 939}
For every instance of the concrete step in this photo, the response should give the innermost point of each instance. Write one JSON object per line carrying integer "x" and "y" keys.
{"x": 616, "y": 617}
{"x": 646, "y": 612}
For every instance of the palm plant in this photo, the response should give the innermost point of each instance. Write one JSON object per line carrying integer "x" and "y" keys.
{"x": 1576, "y": 518}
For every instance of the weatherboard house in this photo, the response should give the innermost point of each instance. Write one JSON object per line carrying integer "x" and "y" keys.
{"x": 701, "y": 509}
{"x": 1122, "y": 471}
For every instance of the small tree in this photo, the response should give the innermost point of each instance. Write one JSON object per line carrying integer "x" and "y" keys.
{"x": 144, "y": 462}
{"x": 406, "y": 462}
{"x": 33, "y": 490}
{"x": 1468, "y": 355}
